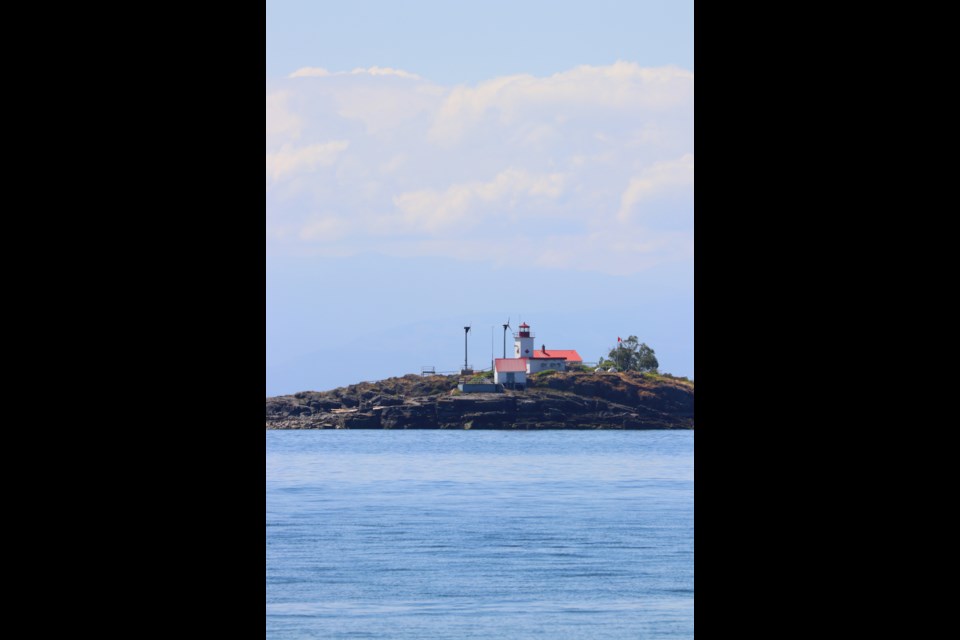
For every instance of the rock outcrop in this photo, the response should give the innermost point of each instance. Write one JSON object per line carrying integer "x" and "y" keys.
{"x": 570, "y": 400}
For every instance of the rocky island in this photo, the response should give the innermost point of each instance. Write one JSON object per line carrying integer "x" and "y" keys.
{"x": 552, "y": 400}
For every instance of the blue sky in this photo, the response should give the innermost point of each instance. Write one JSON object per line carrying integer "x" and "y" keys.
{"x": 436, "y": 164}
{"x": 451, "y": 42}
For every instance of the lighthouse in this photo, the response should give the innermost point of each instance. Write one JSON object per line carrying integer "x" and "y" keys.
{"x": 523, "y": 342}
{"x": 512, "y": 372}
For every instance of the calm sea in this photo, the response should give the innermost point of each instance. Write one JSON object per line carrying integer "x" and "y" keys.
{"x": 479, "y": 534}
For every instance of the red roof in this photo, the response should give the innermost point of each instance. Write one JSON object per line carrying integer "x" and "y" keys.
{"x": 570, "y": 355}
{"x": 510, "y": 364}
{"x": 525, "y": 325}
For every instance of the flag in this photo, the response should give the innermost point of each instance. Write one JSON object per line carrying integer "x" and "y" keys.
{"x": 618, "y": 338}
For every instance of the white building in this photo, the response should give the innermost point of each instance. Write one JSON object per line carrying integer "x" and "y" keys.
{"x": 527, "y": 359}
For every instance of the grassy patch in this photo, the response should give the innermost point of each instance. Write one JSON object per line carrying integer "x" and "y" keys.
{"x": 668, "y": 376}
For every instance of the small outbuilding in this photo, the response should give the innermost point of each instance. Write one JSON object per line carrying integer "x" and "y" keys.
{"x": 510, "y": 371}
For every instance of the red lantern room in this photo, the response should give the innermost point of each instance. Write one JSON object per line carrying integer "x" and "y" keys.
{"x": 523, "y": 342}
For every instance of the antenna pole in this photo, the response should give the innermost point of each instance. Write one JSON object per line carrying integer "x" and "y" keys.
{"x": 466, "y": 330}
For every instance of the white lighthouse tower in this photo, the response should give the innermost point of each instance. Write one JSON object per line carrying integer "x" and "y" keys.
{"x": 523, "y": 342}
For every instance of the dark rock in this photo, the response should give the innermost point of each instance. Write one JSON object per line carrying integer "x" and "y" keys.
{"x": 560, "y": 401}
{"x": 409, "y": 417}
{"x": 358, "y": 421}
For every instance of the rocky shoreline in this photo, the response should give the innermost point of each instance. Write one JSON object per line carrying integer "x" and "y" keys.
{"x": 569, "y": 400}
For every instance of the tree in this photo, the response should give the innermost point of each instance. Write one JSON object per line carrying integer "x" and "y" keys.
{"x": 633, "y": 355}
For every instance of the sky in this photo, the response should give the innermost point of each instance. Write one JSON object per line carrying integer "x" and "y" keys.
{"x": 432, "y": 165}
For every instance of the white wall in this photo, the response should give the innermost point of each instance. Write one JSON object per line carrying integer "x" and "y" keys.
{"x": 533, "y": 366}
{"x": 520, "y": 345}
{"x": 519, "y": 377}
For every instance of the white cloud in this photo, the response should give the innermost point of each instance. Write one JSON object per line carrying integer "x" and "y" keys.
{"x": 384, "y": 108}
{"x": 431, "y": 210}
{"x": 617, "y": 87}
{"x": 387, "y": 71}
{"x": 289, "y": 159}
{"x": 394, "y": 163}
{"x": 310, "y": 72}
{"x": 591, "y": 168}
{"x": 324, "y": 228}
{"x": 662, "y": 177}
{"x": 320, "y": 72}
{"x": 281, "y": 121}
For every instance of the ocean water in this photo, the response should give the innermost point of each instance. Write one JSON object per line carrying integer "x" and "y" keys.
{"x": 479, "y": 534}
